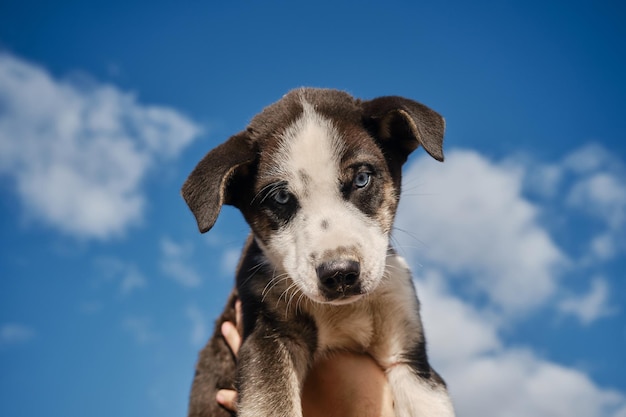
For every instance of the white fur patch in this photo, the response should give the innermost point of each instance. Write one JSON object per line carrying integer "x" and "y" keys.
{"x": 414, "y": 397}
{"x": 309, "y": 159}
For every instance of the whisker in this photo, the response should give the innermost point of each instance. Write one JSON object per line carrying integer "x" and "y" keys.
{"x": 253, "y": 271}
{"x": 410, "y": 234}
{"x": 299, "y": 303}
{"x": 288, "y": 298}
{"x": 285, "y": 293}
{"x": 270, "y": 281}
{"x": 273, "y": 283}
{"x": 411, "y": 183}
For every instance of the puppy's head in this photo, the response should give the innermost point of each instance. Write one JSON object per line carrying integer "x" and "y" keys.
{"x": 317, "y": 176}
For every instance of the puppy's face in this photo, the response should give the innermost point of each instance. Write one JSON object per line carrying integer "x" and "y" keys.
{"x": 317, "y": 177}
{"x": 323, "y": 206}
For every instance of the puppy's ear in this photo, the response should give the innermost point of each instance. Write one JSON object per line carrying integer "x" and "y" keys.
{"x": 211, "y": 183}
{"x": 401, "y": 125}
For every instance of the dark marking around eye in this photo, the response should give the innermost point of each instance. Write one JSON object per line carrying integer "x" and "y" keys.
{"x": 278, "y": 204}
{"x": 324, "y": 224}
{"x": 364, "y": 188}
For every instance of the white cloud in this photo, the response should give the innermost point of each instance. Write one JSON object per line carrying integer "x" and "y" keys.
{"x": 474, "y": 227}
{"x": 230, "y": 259}
{"x": 590, "y": 158}
{"x": 487, "y": 378}
{"x": 603, "y": 246}
{"x": 199, "y": 328}
{"x": 471, "y": 217}
{"x": 78, "y": 154}
{"x": 546, "y": 179}
{"x": 140, "y": 328}
{"x": 590, "y": 181}
{"x": 515, "y": 383}
{"x": 175, "y": 263}
{"x": 591, "y": 306}
{"x": 128, "y": 277}
{"x": 454, "y": 319}
{"x": 133, "y": 279}
{"x": 15, "y": 334}
{"x": 230, "y": 248}
{"x": 91, "y": 307}
{"x": 602, "y": 194}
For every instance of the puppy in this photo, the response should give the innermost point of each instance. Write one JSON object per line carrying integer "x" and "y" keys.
{"x": 317, "y": 176}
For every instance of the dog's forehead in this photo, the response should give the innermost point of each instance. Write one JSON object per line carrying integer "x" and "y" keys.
{"x": 276, "y": 118}
{"x": 309, "y": 148}
{"x": 309, "y": 131}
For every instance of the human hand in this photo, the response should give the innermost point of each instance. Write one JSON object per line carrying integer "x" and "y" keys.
{"x": 344, "y": 384}
{"x": 226, "y": 397}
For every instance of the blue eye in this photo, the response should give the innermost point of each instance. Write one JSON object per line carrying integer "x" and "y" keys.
{"x": 362, "y": 179}
{"x": 282, "y": 196}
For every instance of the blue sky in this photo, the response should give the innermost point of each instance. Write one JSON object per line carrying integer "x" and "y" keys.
{"x": 517, "y": 241}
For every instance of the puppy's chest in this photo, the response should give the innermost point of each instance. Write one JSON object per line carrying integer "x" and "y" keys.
{"x": 384, "y": 325}
{"x": 347, "y": 327}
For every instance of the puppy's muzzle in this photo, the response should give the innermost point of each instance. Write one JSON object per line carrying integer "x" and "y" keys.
{"x": 339, "y": 278}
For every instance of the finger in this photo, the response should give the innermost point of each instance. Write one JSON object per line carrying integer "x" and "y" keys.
{"x": 227, "y": 398}
{"x": 230, "y": 333}
{"x": 238, "y": 315}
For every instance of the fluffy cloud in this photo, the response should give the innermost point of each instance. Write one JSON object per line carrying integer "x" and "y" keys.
{"x": 473, "y": 226}
{"x": 199, "y": 327}
{"x": 78, "y": 154}
{"x": 604, "y": 195}
{"x": 230, "y": 259}
{"x": 591, "y": 306}
{"x": 15, "y": 334}
{"x": 518, "y": 384}
{"x": 447, "y": 317}
{"x": 126, "y": 275}
{"x": 592, "y": 182}
{"x": 140, "y": 328}
{"x": 590, "y": 158}
{"x": 471, "y": 218}
{"x": 488, "y": 379}
{"x": 175, "y": 263}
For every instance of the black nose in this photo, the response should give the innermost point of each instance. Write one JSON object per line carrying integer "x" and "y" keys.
{"x": 339, "y": 278}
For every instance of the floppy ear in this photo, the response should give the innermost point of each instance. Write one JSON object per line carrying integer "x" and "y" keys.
{"x": 207, "y": 187}
{"x": 401, "y": 125}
